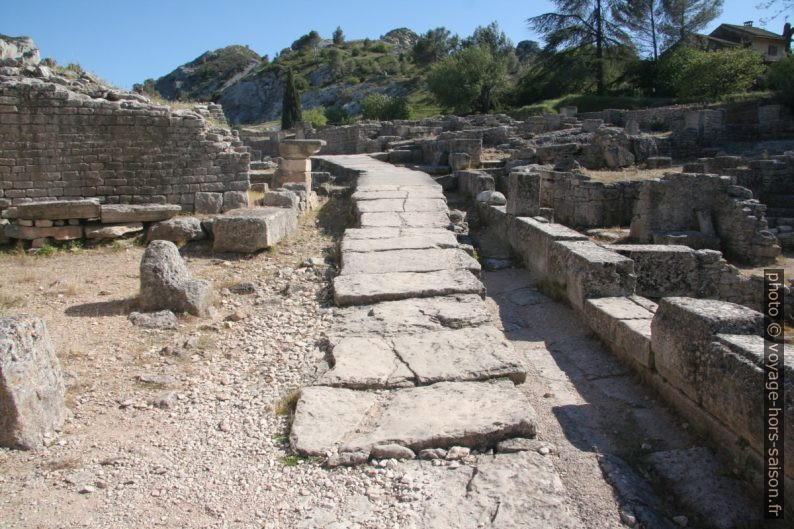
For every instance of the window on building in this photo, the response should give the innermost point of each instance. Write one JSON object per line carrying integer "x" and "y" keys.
{"x": 772, "y": 50}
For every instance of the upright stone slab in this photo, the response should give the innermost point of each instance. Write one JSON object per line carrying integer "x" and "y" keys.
{"x": 523, "y": 195}
{"x": 166, "y": 283}
{"x": 32, "y": 389}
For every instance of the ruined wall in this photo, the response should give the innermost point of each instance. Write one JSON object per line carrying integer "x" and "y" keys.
{"x": 706, "y": 211}
{"x": 56, "y": 143}
{"x": 349, "y": 139}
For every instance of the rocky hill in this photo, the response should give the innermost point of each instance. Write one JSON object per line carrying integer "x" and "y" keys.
{"x": 250, "y": 87}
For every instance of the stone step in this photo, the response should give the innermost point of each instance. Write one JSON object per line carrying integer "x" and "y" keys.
{"x": 479, "y": 353}
{"x": 435, "y": 219}
{"x": 410, "y": 316}
{"x": 362, "y": 289}
{"x": 428, "y": 260}
{"x": 473, "y": 414}
{"x": 439, "y": 239}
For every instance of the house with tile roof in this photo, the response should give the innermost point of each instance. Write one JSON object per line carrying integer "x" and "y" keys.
{"x": 771, "y": 46}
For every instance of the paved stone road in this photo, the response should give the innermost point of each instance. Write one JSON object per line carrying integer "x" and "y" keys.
{"x": 419, "y": 367}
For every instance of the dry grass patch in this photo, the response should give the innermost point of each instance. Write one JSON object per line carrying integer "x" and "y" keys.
{"x": 8, "y": 301}
{"x": 630, "y": 173}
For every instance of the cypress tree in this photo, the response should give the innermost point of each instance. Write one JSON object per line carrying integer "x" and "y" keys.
{"x": 291, "y": 112}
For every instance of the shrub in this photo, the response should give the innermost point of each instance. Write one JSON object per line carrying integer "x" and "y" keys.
{"x": 708, "y": 74}
{"x": 315, "y": 116}
{"x": 337, "y": 116}
{"x": 781, "y": 79}
{"x": 383, "y": 108}
{"x": 471, "y": 80}
{"x": 380, "y": 47}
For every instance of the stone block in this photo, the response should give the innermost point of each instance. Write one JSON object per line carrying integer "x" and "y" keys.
{"x": 60, "y": 233}
{"x": 586, "y": 270}
{"x": 32, "y": 388}
{"x": 532, "y": 240}
{"x": 281, "y": 199}
{"x": 178, "y": 229}
{"x": 427, "y": 260}
{"x": 299, "y": 149}
{"x": 166, "y": 283}
{"x": 523, "y": 193}
{"x": 301, "y": 166}
{"x": 249, "y": 230}
{"x": 207, "y": 203}
{"x": 363, "y": 289}
{"x": 58, "y": 209}
{"x": 459, "y": 161}
{"x": 111, "y": 231}
{"x": 682, "y": 331}
{"x": 663, "y": 270}
{"x": 235, "y": 200}
{"x": 122, "y": 213}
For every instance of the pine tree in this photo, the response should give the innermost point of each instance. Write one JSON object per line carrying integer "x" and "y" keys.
{"x": 291, "y": 112}
{"x": 338, "y": 36}
{"x": 684, "y": 17}
{"x": 642, "y": 19}
{"x": 579, "y": 24}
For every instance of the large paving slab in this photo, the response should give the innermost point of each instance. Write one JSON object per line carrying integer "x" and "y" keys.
{"x": 412, "y": 219}
{"x": 410, "y": 316}
{"x": 397, "y": 204}
{"x": 429, "y": 260}
{"x": 441, "y": 239}
{"x": 478, "y": 353}
{"x": 404, "y": 193}
{"x": 474, "y": 414}
{"x": 362, "y": 289}
{"x": 509, "y": 491}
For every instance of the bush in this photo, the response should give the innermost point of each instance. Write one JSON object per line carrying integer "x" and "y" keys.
{"x": 337, "y": 116}
{"x": 699, "y": 74}
{"x": 384, "y": 108}
{"x": 380, "y": 47}
{"x": 471, "y": 80}
{"x": 315, "y": 116}
{"x": 780, "y": 78}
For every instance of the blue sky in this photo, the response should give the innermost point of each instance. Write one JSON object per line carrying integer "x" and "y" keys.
{"x": 126, "y": 42}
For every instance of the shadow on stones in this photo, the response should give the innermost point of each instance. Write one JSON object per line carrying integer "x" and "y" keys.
{"x": 116, "y": 307}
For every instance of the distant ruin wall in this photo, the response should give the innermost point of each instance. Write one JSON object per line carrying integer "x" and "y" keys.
{"x": 58, "y": 144}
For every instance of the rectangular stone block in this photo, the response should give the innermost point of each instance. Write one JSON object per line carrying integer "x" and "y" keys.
{"x": 662, "y": 270}
{"x": 295, "y": 166}
{"x": 426, "y": 260}
{"x": 682, "y": 331}
{"x": 58, "y": 209}
{"x": 122, "y": 213}
{"x": 250, "y": 229}
{"x": 523, "y": 194}
{"x": 532, "y": 240}
{"x": 587, "y": 270}
{"x": 29, "y": 233}
{"x": 363, "y": 289}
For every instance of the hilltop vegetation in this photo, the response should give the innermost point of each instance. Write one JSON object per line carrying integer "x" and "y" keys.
{"x": 625, "y": 53}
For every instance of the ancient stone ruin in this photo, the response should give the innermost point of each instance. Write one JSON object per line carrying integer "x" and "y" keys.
{"x": 451, "y": 322}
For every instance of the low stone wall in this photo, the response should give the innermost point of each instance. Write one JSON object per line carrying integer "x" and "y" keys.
{"x": 349, "y": 139}
{"x": 59, "y": 144}
{"x": 704, "y": 357}
{"x": 577, "y": 200}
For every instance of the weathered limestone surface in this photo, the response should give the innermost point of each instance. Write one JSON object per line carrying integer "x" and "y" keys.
{"x": 510, "y": 491}
{"x": 440, "y": 415}
{"x": 682, "y": 330}
{"x": 411, "y": 316}
{"x": 360, "y": 289}
{"x": 167, "y": 284}
{"x": 32, "y": 388}
{"x": 111, "y": 231}
{"x": 59, "y": 210}
{"x": 249, "y": 230}
{"x": 59, "y": 233}
{"x": 427, "y": 260}
{"x": 438, "y": 239}
{"x": 177, "y": 229}
{"x": 111, "y": 213}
